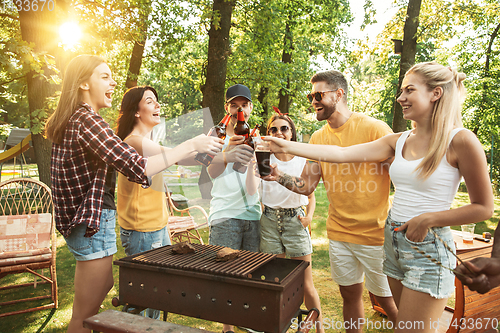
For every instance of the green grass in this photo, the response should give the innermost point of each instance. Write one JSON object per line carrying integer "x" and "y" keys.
{"x": 328, "y": 290}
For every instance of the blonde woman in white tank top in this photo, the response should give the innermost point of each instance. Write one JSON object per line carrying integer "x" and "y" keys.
{"x": 428, "y": 163}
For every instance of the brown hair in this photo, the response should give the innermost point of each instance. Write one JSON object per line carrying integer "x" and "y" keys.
{"x": 78, "y": 71}
{"x": 128, "y": 109}
{"x": 284, "y": 117}
{"x": 334, "y": 79}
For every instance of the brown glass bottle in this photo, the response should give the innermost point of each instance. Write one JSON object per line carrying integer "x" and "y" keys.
{"x": 241, "y": 127}
{"x": 219, "y": 131}
{"x": 249, "y": 141}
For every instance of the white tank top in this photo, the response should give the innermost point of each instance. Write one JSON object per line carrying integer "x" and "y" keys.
{"x": 275, "y": 195}
{"x": 414, "y": 196}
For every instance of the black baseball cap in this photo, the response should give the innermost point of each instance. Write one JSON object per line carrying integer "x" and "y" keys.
{"x": 236, "y": 91}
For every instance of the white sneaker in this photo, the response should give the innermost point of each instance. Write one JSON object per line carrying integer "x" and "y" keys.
{"x": 249, "y": 330}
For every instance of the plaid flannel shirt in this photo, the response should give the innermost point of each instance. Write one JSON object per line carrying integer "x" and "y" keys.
{"x": 79, "y": 165}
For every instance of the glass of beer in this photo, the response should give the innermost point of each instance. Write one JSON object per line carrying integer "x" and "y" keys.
{"x": 468, "y": 233}
{"x": 263, "y": 154}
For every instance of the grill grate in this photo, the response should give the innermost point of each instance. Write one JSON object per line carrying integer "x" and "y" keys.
{"x": 203, "y": 260}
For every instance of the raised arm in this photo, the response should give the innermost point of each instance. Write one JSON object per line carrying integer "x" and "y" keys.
{"x": 164, "y": 157}
{"x": 305, "y": 184}
{"x": 235, "y": 151}
{"x": 252, "y": 181}
{"x": 374, "y": 151}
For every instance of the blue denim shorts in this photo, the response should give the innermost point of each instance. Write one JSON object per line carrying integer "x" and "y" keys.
{"x": 137, "y": 241}
{"x": 235, "y": 233}
{"x": 282, "y": 232}
{"x": 416, "y": 272}
{"x": 100, "y": 245}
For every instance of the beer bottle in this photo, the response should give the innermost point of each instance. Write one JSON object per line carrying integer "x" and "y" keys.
{"x": 248, "y": 141}
{"x": 241, "y": 127}
{"x": 218, "y": 130}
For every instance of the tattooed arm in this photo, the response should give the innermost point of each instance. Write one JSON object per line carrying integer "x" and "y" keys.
{"x": 305, "y": 184}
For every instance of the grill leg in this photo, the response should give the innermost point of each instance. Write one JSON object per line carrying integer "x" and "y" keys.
{"x": 312, "y": 316}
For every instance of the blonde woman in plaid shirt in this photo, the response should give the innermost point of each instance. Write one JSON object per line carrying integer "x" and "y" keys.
{"x": 83, "y": 152}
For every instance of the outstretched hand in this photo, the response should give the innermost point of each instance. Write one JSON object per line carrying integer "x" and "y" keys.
{"x": 487, "y": 272}
{"x": 277, "y": 145}
{"x": 207, "y": 144}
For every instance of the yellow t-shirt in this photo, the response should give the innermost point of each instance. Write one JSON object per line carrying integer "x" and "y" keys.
{"x": 138, "y": 208}
{"x": 358, "y": 192}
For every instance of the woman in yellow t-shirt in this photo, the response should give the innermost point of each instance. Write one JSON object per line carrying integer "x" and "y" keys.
{"x": 142, "y": 212}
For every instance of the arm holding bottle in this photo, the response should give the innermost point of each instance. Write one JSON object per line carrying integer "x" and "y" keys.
{"x": 162, "y": 157}
{"x": 234, "y": 152}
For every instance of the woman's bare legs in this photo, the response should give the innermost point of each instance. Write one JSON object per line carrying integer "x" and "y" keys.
{"x": 311, "y": 297}
{"x": 93, "y": 281}
{"x": 417, "y": 311}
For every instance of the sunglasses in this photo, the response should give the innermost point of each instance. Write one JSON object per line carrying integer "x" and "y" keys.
{"x": 318, "y": 96}
{"x": 283, "y": 129}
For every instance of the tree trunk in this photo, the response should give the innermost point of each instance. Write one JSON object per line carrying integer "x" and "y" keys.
{"x": 134, "y": 68}
{"x": 214, "y": 88}
{"x": 135, "y": 63}
{"x": 265, "y": 107}
{"x": 37, "y": 27}
{"x": 286, "y": 58}
{"x": 399, "y": 124}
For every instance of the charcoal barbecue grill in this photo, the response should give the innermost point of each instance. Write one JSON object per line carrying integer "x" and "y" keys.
{"x": 255, "y": 290}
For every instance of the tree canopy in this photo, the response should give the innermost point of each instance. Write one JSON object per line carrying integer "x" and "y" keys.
{"x": 274, "y": 46}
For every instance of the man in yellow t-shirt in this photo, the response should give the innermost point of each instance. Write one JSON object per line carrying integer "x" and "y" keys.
{"x": 359, "y": 199}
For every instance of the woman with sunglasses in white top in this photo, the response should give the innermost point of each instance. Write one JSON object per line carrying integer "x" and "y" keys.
{"x": 284, "y": 222}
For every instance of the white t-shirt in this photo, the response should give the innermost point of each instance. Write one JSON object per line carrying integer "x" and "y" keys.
{"x": 275, "y": 195}
{"x": 230, "y": 198}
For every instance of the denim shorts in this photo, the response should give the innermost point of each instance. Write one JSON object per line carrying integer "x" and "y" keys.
{"x": 413, "y": 269}
{"x": 235, "y": 233}
{"x": 137, "y": 241}
{"x": 100, "y": 245}
{"x": 282, "y": 232}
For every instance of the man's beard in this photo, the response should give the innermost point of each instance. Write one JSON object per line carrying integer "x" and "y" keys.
{"x": 327, "y": 112}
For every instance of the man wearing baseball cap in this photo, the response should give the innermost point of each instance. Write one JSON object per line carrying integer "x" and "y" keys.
{"x": 235, "y": 208}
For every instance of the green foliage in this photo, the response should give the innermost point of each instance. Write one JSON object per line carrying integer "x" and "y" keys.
{"x": 258, "y": 43}
{"x": 478, "y": 56}
{"x": 5, "y": 131}
{"x": 374, "y": 82}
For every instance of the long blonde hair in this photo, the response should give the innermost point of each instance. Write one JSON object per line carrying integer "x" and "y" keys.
{"x": 78, "y": 71}
{"x": 447, "y": 112}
